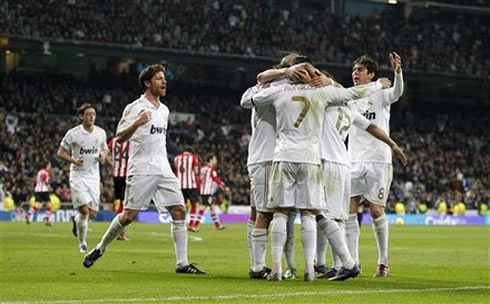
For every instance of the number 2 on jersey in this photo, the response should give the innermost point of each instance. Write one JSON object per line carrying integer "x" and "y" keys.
{"x": 340, "y": 118}
{"x": 304, "y": 111}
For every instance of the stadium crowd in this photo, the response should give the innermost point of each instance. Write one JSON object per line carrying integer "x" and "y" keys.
{"x": 428, "y": 41}
{"x": 449, "y": 160}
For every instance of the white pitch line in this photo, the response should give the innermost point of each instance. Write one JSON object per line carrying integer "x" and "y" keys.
{"x": 259, "y": 296}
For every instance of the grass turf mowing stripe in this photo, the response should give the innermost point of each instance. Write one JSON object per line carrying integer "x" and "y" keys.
{"x": 259, "y": 296}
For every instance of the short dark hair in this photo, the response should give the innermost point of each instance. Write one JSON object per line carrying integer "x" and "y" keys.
{"x": 210, "y": 156}
{"x": 188, "y": 148}
{"x": 84, "y": 107}
{"x": 368, "y": 63}
{"x": 148, "y": 73}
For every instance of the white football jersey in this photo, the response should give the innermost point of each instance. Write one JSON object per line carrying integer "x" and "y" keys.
{"x": 148, "y": 153}
{"x": 363, "y": 146}
{"x": 262, "y": 141}
{"x": 337, "y": 124}
{"x": 299, "y": 116}
{"x": 80, "y": 143}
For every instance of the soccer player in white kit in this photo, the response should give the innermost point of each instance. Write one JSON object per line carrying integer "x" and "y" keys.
{"x": 296, "y": 177}
{"x": 259, "y": 162}
{"x": 150, "y": 177}
{"x": 336, "y": 170}
{"x": 84, "y": 146}
{"x": 372, "y": 170}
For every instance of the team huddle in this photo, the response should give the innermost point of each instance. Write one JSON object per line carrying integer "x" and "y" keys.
{"x": 297, "y": 162}
{"x": 308, "y": 169}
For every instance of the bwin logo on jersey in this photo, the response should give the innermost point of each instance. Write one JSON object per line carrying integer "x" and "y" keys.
{"x": 158, "y": 130}
{"x": 369, "y": 115}
{"x": 93, "y": 150}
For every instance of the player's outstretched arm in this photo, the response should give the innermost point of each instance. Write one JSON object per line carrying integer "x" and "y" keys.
{"x": 381, "y": 135}
{"x": 335, "y": 95}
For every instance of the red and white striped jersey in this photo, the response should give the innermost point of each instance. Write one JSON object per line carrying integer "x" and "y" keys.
{"x": 209, "y": 180}
{"x": 120, "y": 155}
{"x": 42, "y": 180}
{"x": 185, "y": 164}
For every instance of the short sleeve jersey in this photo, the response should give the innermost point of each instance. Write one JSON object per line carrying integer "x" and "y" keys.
{"x": 87, "y": 145}
{"x": 148, "y": 153}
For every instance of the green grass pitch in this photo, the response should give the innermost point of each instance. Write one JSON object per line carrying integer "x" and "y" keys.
{"x": 41, "y": 264}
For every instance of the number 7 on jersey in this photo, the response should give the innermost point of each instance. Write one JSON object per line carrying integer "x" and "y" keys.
{"x": 304, "y": 111}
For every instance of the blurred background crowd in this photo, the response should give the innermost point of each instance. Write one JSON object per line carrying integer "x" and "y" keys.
{"x": 447, "y": 144}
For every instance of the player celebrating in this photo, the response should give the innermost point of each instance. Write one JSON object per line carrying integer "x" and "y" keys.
{"x": 150, "y": 177}
{"x": 84, "y": 147}
{"x": 186, "y": 170}
{"x": 119, "y": 164}
{"x": 296, "y": 178}
{"x": 372, "y": 170}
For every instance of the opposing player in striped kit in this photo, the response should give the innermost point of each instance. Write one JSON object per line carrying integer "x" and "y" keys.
{"x": 209, "y": 185}
{"x": 41, "y": 194}
{"x": 84, "y": 147}
{"x": 186, "y": 166}
{"x": 119, "y": 163}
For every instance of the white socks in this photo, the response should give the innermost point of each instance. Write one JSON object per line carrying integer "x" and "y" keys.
{"x": 278, "y": 237}
{"x": 250, "y": 227}
{"x": 308, "y": 238}
{"x": 321, "y": 247}
{"x": 352, "y": 233}
{"x": 259, "y": 247}
{"x": 114, "y": 229}
{"x": 337, "y": 241}
{"x": 179, "y": 236}
{"x": 289, "y": 247}
{"x": 82, "y": 227}
{"x": 381, "y": 234}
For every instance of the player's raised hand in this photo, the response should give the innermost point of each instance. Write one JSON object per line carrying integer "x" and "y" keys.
{"x": 298, "y": 74}
{"x": 385, "y": 82}
{"x": 398, "y": 152}
{"x": 320, "y": 81}
{"x": 144, "y": 116}
{"x": 78, "y": 161}
{"x": 396, "y": 62}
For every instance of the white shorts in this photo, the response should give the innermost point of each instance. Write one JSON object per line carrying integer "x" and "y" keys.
{"x": 85, "y": 192}
{"x": 296, "y": 185}
{"x": 337, "y": 190}
{"x": 142, "y": 189}
{"x": 259, "y": 185}
{"x": 371, "y": 180}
